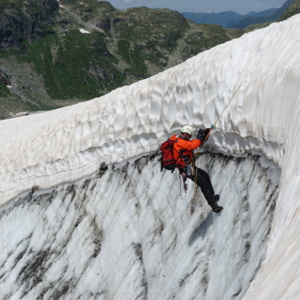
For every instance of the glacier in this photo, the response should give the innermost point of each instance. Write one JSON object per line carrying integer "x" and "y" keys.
{"x": 87, "y": 214}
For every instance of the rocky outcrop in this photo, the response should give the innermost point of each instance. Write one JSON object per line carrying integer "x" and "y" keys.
{"x": 5, "y": 78}
{"x": 25, "y": 20}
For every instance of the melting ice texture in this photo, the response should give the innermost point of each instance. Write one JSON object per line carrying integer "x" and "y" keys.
{"x": 261, "y": 69}
{"x": 131, "y": 233}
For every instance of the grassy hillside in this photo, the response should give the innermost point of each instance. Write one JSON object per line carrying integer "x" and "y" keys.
{"x": 55, "y": 55}
{"x": 292, "y": 10}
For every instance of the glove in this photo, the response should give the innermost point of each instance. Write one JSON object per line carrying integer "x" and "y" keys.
{"x": 202, "y": 134}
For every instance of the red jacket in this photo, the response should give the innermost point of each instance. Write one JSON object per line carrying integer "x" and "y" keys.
{"x": 183, "y": 150}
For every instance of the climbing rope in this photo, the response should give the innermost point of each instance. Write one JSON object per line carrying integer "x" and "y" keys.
{"x": 193, "y": 163}
{"x": 211, "y": 128}
{"x": 226, "y": 106}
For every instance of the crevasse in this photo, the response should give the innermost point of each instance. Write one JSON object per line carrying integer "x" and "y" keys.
{"x": 59, "y": 150}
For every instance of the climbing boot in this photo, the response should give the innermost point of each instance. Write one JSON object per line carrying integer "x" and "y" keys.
{"x": 217, "y": 208}
{"x": 214, "y": 204}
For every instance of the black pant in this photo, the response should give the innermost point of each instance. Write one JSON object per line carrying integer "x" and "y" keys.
{"x": 201, "y": 178}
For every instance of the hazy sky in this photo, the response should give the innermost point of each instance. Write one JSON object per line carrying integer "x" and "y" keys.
{"x": 240, "y": 6}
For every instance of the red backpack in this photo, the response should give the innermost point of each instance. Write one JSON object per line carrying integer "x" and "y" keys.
{"x": 167, "y": 159}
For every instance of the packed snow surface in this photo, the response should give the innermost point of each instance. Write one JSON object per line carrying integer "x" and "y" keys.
{"x": 160, "y": 248}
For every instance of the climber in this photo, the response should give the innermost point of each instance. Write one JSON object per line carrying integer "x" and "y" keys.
{"x": 183, "y": 154}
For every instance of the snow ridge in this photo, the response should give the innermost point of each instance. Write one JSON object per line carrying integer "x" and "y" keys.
{"x": 135, "y": 119}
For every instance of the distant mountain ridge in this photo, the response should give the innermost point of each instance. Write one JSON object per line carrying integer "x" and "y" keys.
{"x": 225, "y": 19}
{"x": 231, "y": 19}
{"x": 272, "y": 15}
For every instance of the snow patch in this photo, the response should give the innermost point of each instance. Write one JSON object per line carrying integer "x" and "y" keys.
{"x": 83, "y": 30}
